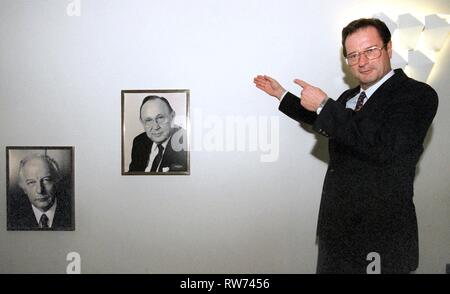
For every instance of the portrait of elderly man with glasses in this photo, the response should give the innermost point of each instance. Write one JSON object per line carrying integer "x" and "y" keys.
{"x": 376, "y": 133}
{"x": 162, "y": 145}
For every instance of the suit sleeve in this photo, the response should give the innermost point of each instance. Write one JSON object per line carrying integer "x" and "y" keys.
{"x": 290, "y": 105}
{"x": 136, "y": 157}
{"x": 381, "y": 137}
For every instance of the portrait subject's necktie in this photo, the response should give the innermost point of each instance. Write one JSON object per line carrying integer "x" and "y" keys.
{"x": 158, "y": 158}
{"x": 360, "y": 102}
{"x": 43, "y": 222}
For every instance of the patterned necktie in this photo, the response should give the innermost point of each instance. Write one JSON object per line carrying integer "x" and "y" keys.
{"x": 359, "y": 103}
{"x": 158, "y": 158}
{"x": 43, "y": 222}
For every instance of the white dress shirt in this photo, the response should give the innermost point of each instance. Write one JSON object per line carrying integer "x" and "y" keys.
{"x": 369, "y": 91}
{"x": 153, "y": 154}
{"x": 49, "y": 213}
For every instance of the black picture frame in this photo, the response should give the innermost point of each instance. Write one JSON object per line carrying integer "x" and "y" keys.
{"x": 21, "y": 216}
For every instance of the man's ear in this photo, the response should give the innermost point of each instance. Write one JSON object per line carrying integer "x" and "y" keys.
{"x": 389, "y": 48}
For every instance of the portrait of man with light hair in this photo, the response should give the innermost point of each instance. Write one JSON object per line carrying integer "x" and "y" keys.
{"x": 40, "y": 188}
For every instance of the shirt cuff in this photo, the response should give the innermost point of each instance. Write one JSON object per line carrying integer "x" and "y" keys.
{"x": 282, "y": 96}
{"x": 322, "y": 104}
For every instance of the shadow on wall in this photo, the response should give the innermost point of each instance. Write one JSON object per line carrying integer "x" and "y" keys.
{"x": 426, "y": 143}
{"x": 320, "y": 149}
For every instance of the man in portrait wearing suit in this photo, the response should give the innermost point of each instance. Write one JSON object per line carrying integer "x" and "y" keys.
{"x": 43, "y": 204}
{"x": 162, "y": 147}
{"x": 376, "y": 133}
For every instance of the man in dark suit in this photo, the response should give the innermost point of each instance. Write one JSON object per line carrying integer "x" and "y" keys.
{"x": 376, "y": 133}
{"x": 162, "y": 147}
{"x": 42, "y": 205}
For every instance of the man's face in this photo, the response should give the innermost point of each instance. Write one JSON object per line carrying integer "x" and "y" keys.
{"x": 157, "y": 120}
{"x": 39, "y": 183}
{"x": 367, "y": 71}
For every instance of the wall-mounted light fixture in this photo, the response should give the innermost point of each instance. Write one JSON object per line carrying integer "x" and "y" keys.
{"x": 416, "y": 44}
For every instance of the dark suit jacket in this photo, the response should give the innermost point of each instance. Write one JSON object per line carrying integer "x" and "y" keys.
{"x": 367, "y": 198}
{"x": 174, "y": 160}
{"x": 21, "y": 216}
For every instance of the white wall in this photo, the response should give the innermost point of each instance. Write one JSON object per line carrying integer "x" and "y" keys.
{"x": 60, "y": 83}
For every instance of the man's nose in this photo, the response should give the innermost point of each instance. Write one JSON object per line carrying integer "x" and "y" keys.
{"x": 363, "y": 60}
{"x": 40, "y": 188}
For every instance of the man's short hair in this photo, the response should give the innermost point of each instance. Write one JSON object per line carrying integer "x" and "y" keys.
{"x": 53, "y": 165}
{"x": 362, "y": 23}
{"x": 154, "y": 97}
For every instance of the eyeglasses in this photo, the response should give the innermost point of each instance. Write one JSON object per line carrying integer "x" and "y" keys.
{"x": 370, "y": 53}
{"x": 159, "y": 120}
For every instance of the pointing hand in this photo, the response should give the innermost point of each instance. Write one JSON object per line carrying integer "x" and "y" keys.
{"x": 310, "y": 96}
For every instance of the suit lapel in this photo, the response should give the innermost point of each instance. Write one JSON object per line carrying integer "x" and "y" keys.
{"x": 166, "y": 155}
{"x": 169, "y": 153}
{"x": 61, "y": 219}
{"x": 148, "y": 150}
{"x": 347, "y": 95}
{"x": 29, "y": 217}
{"x": 170, "y": 156}
{"x": 381, "y": 95}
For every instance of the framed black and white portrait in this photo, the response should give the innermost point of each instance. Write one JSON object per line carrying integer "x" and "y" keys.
{"x": 155, "y": 132}
{"x": 40, "y": 188}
